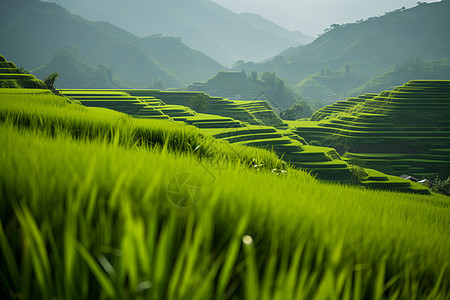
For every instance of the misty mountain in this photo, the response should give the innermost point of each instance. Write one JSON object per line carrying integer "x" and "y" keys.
{"x": 32, "y": 31}
{"x": 237, "y": 85}
{"x": 328, "y": 85}
{"x": 76, "y": 72}
{"x": 202, "y": 25}
{"x": 370, "y": 47}
{"x": 275, "y": 29}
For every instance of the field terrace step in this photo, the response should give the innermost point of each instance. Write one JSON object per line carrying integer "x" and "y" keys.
{"x": 398, "y": 164}
{"x": 176, "y": 111}
{"x": 207, "y": 121}
{"x": 378, "y": 180}
{"x": 340, "y": 106}
{"x": 21, "y": 91}
{"x": 295, "y": 152}
{"x": 261, "y": 113}
{"x": 411, "y": 119}
{"x": 15, "y": 76}
{"x": 219, "y": 124}
{"x": 9, "y": 71}
{"x": 7, "y": 64}
{"x": 93, "y": 92}
{"x": 244, "y": 131}
{"x": 152, "y": 101}
{"x": 261, "y": 110}
{"x": 116, "y": 100}
{"x": 253, "y": 136}
{"x": 11, "y": 77}
{"x": 323, "y": 162}
{"x": 393, "y": 183}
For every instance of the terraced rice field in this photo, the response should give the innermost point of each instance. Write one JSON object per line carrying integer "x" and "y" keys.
{"x": 251, "y": 112}
{"x": 340, "y": 106}
{"x": 404, "y": 131}
{"x": 248, "y": 123}
{"x": 254, "y": 124}
{"x": 253, "y": 133}
{"x": 11, "y": 77}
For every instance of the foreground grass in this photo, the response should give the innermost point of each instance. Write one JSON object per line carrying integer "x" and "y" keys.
{"x": 54, "y": 115}
{"x": 85, "y": 217}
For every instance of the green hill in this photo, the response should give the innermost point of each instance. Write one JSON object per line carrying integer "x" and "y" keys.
{"x": 202, "y": 24}
{"x": 32, "y": 31}
{"x": 328, "y": 85}
{"x": 403, "y": 131}
{"x": 411, "y": 69}
{"x": 369, "y": 47}
{"x": 237, "y": 85}
{"x": 75, "y": 71}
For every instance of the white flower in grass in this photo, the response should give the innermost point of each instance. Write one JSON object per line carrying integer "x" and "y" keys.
{"x": 247, "y": 240}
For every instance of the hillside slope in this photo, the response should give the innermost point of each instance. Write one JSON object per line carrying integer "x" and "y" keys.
{"x": 237, "y": 85}
{"x": 417, "y": 69}
{"x": 76, "y": 72}
{"x": 202, "y": 24}
{"x": 403, "y": 131}
{"x": 33, "y": 30}
{"x": 370, "y": 47}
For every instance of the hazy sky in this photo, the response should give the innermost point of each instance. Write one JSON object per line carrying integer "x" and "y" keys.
{"x": 313, "y": 16}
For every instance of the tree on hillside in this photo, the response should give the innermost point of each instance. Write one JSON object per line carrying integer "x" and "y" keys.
{"x": 438, "y": 185}
{"x": 23, "y": 70}
{"x": 158, "y": 84}
{"x": 416, "y": 64}
{"x": 199, "y": 103}
{"x": 347, "y": 69}
{"x": 105, "y": 71}
{"x": 277, "y": 89}
{"x": 239, "y": 62}
{"x": 49, "y": 82}
{"x": 299, "y": 110}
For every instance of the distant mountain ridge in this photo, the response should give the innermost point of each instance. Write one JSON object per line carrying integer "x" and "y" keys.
{"x": 370, "y": 47}
{"x": 202, "y": 24}
{"x": 31, "y": 31}
{"x": 76, "y": 72}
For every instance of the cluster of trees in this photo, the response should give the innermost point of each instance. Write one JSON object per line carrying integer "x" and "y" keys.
{"x": 158, "y": 84}
{"x": 441, "y": 186}
{"x": 199, "y": 103}
{"x": 416, "y": 64}
{"x": 327, "y": 72}
{"x": 275, "y": 88}
{"x": 297, "y": 111}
